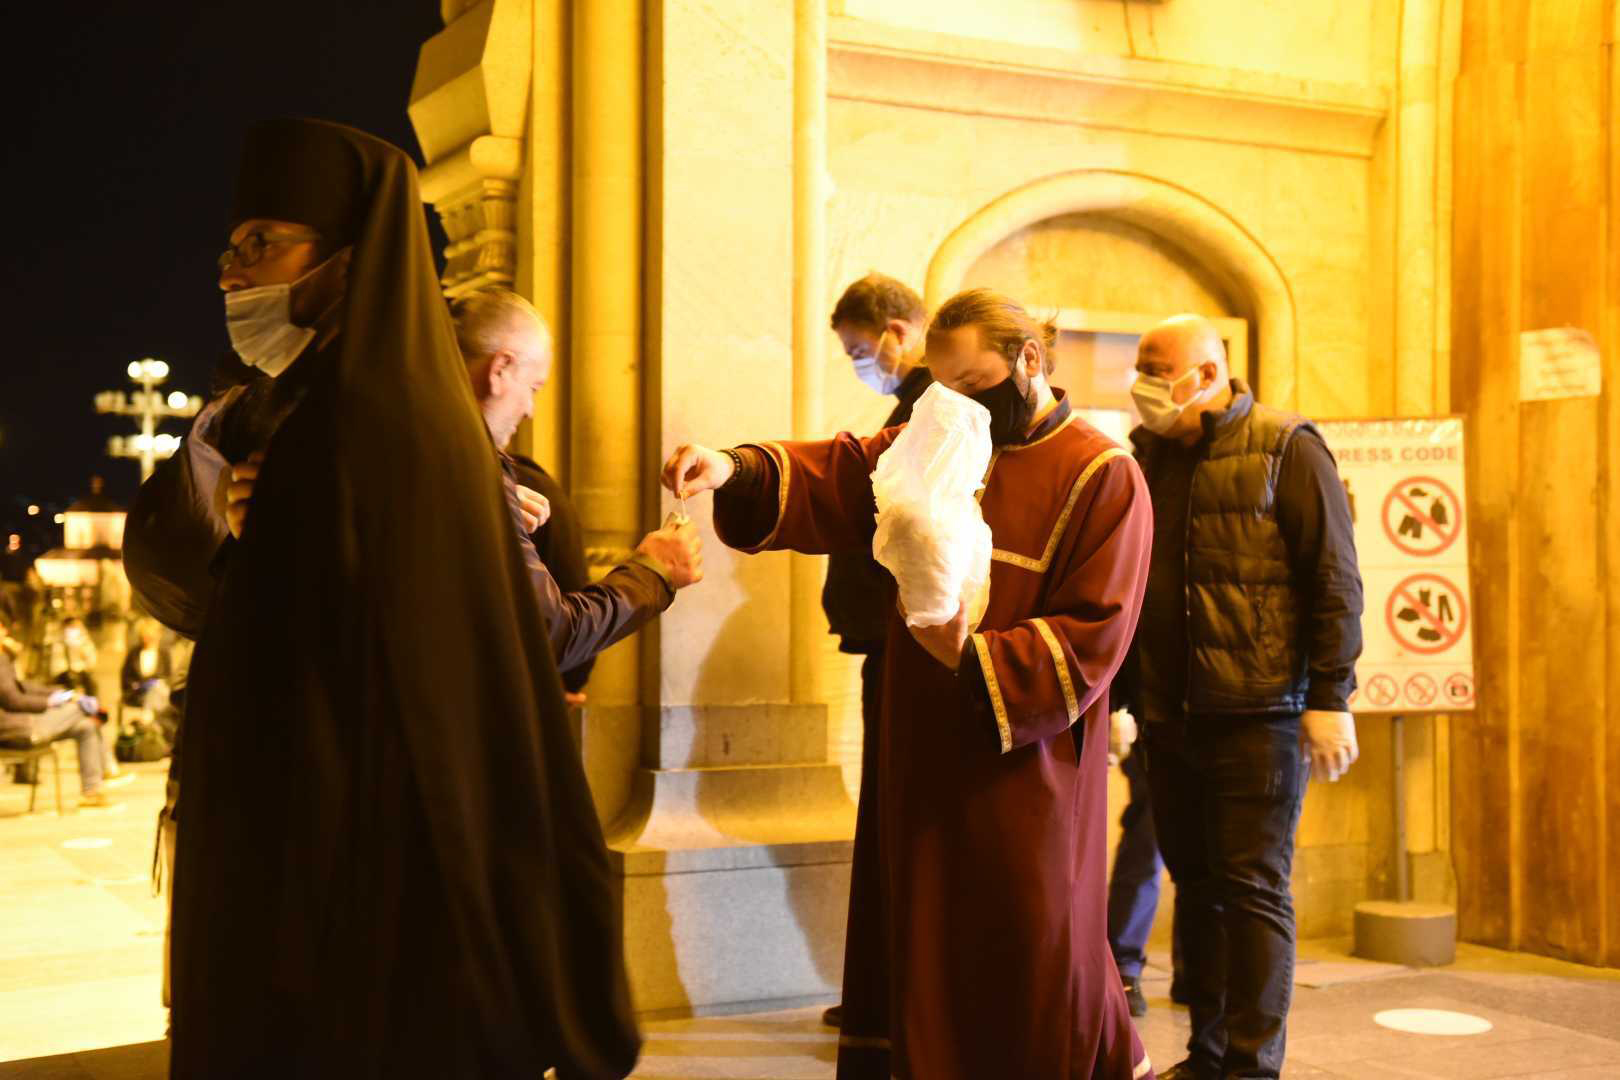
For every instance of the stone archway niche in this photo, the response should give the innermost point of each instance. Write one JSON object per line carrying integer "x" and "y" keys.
{"x": 1223, "y": 247}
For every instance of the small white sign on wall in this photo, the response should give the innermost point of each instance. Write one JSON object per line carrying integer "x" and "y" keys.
{"x": 1562, "y": 362}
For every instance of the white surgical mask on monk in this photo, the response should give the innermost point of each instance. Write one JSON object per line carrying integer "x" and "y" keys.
{"x": 1154, "y": 397}
{"x": 868, "y": 371}
{"x": 259, "y": 321}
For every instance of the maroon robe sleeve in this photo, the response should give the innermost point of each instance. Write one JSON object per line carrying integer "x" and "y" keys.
{"x": 1043, "y": 673}
{"x": 810, "y": 497}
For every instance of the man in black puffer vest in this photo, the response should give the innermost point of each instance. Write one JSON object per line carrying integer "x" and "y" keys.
{"x": 1241, "y": 671}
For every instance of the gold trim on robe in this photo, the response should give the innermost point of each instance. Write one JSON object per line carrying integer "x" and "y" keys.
{"x": 997, "y": 703}
{"x": 1070, "y": 699}
{"x": 863, "y": 1042}
{"x": 1041, "y": 565}
{"x": 784, "y": 477}
{"x": 1067, "y": 420}
{"x": 1142, "y": 1069}
{"x": 984, "y": 485}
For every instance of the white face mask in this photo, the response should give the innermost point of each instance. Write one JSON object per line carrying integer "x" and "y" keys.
{"x": 1155, "y": 400}
{"x": 259, "y": 321}
{"x": 868, "y": 371}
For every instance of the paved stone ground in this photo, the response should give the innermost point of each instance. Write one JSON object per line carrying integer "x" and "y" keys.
{"x": 80, "y": 956}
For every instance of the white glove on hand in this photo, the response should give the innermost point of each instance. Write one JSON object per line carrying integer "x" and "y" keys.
{"x": 59, "y": 697}
{"x": 1121, "y": 735}
{"x": 1330, "y": 739}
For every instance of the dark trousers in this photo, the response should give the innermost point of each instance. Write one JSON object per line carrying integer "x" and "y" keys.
{"x": 1226, "y": 796}
{"x": 1133, "y": 888}
{"x": 863, "y": 1042}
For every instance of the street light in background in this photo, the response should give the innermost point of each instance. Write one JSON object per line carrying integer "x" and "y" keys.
{"x": 149, "y": 406}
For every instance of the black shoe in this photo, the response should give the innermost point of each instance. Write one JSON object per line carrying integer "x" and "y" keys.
{"x": 833, "y": 1017}
{"x": 1182, "y": 1070}
{"x": 1133, "y": 996}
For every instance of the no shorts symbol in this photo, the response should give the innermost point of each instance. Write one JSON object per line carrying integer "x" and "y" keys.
{"x": 1426, "y": 614}
{"x": 1422, "y": 516}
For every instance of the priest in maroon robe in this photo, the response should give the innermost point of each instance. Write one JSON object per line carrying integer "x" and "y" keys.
{"x": 994, "y": 742}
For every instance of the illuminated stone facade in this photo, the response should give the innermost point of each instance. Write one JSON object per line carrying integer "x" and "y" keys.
{"x": 683, "y": 187}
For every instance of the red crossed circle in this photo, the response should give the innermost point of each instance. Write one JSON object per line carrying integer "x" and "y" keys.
{"x": 1421, "y": 689}
{"x": 1397, "y": 499}
{"x": 1406, "y": 591}
{"x": 1382, "y": 691}
{"x": 1460, "y": 689}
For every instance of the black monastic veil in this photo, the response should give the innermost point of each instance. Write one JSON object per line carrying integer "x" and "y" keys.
{"x": 389, "y": 860}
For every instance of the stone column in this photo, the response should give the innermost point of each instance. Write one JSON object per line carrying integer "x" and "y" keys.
{"x": 685, "y": 277}
{"x": 810, "y": 332}
{"x": 543, "y": 225}
{"x": 736, "y": 848}
{"x": 469, "y": 106}
{"x": 470, "y": 109}
{"x": 1537, "y": 212}
{"x": 608, "y": 467}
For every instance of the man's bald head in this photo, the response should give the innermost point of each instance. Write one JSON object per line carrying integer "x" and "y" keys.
{"x": 1187, "y": 352}
{"x": 507, "y": 347}
{"x": 1180, "y": 343}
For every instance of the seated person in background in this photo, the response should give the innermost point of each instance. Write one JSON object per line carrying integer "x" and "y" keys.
{"x": 73, "y": 665}
{"x": 32, "y": 715}
{"x": 73, "y": 658}
{"x": 147, "y": 675}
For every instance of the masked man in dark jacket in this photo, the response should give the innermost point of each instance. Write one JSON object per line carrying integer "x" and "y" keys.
{"x": 882, "y": 326}
{"x": 1242, "y": 667}
{"x": 508, "y": 350}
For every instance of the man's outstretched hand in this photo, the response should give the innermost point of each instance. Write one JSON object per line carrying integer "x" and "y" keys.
{"x": 693, "y": 469}
{"x": 679, "y": 547}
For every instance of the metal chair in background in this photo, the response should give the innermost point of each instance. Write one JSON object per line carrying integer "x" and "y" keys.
{"x": 32, "y": 755}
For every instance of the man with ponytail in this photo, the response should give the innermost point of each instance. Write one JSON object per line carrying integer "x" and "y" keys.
{"x": 992, "y": 785}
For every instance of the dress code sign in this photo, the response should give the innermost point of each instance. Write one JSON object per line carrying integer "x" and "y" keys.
{"x": 1404, "y": 479}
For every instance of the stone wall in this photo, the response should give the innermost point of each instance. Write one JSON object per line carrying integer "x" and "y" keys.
{"x": 1228, "y": 158}
{"x": 663, "y": 166}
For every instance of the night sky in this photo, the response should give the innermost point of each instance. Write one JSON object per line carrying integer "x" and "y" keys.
{"x": 124, "y": 123}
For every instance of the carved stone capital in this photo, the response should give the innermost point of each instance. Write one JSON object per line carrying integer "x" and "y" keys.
{"x": 469, "y": 106}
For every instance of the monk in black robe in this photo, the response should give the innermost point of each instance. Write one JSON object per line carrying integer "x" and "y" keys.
{"x": 391, "y": 865}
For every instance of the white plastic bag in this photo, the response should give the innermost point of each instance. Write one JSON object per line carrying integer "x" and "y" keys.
{"x": 930, "y": 533}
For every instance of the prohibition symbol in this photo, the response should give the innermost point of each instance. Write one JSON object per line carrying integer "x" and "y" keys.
{"x": 1422, "y": 516}
{"x": 1382, "y": 691}
{"x": 1421, "y": 689}
{"x": 1426, "y": 614}
{"x": 1460, "y": 689}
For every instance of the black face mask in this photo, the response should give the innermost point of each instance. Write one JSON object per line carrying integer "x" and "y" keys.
{"x": 1011, "y": 410}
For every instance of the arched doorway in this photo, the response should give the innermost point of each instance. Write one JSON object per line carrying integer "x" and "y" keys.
{"x": 1221, "y": 259}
